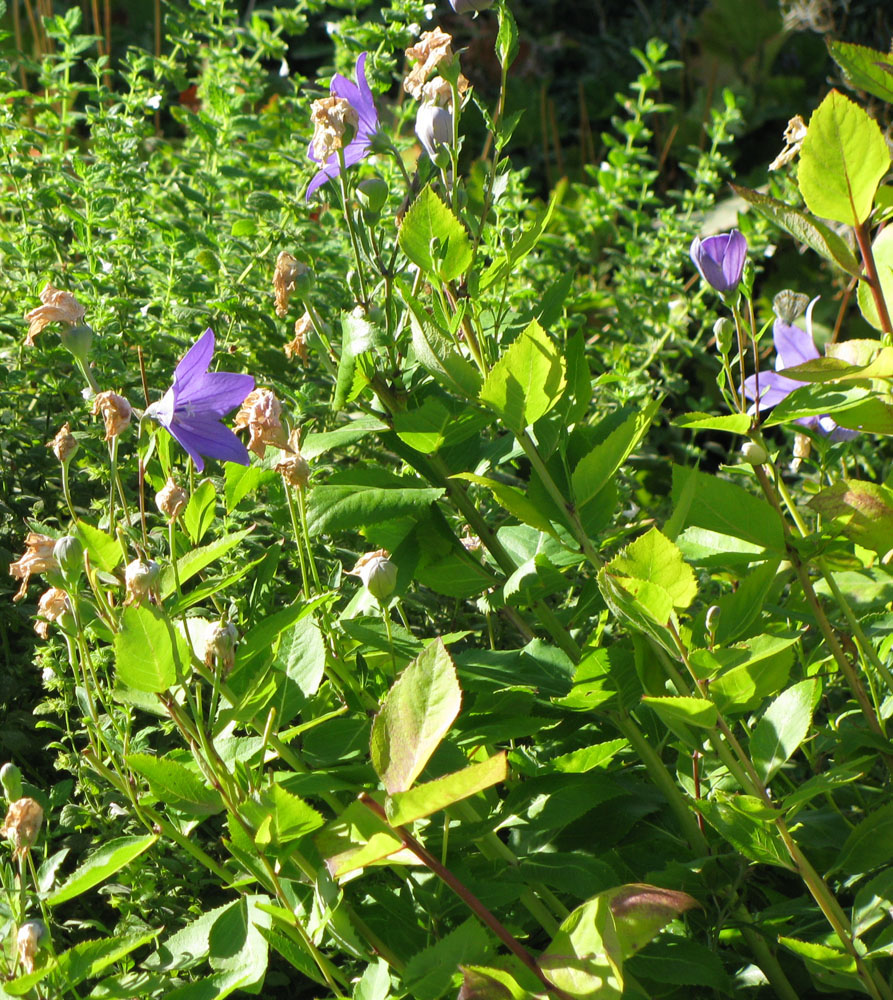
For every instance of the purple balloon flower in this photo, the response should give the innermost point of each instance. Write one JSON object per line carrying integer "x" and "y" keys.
{"x": 359, "y": 96}
{"x": 720, "y": 259}
{"x": 793, "y": 346}
{"x": 191, "y": 409}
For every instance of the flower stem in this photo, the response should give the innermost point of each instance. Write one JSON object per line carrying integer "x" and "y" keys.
{"x": 348, "y": 216}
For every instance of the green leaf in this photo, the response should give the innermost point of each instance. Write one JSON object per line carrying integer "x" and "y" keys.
{"x": 691, "y": 711}
{"x": 437, "y": 355}
{"x": 706, "y": 501}
{"x": 355, "y": 839}
{"x": 375, "y": 983}
{"x": 596, "y": 469}
{"x": 682, "y": 962}
{"x": 741, "y": 608}
{"x": 734, "y": 423}
{"x": 87, "y": 959}
{"x": 856, "y": 408}
{"x": 752, "y": 671}
{"x": 641, "y": 911}
{"x": 196, "y": 560}
{"x": 417, "y": 713}
{"x": 432, "y": 796}
{"x": 587, "y": 758}
{"x": 279, "y": 818}
{"x": 868, "y": 846}
{"x": 882, "y": 251}
{"x": 302, "y": 655}
{"x": 742, "y": 821}
{"x": 860, "y": 510}
{"x": 175, "y": 785}
{"x": 318, "y": 443}
{"x": 783, "y": 728}
{"x": 429, "y": 973}
{"x": 584, "y": 958}
{"x": 527, "y": 381}
{"x": 503, "y": 266}
{"x": 842, "y": 161}
{"x": 349, "y": 506}
{"x": 865, "y": 69}
{"x": 517, "y": 503}
{"x": 424, "y": 428}
{"x": 105, "y": 552}
{"x": 199, "y": 513}
{"x": 434, "y": 239}
{"x": 654, "y": 559}
{"x": 805, "y": 228}
{"x": 240, "y": 480}
{"x": 101, "y": 864}
{"x": 834, "y": 969}
{"x": 149, "y": 652}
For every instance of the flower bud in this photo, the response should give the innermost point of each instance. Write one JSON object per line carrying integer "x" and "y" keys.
{"x": 139, "y": 579}
{"x": 372, "y": 193}
{"x": 64, "y": 444}
{"x": 220, "y": 648}
{"x": 712, "y": 619}
{"x": 470, "y": 6}
{"x": 11, "y": 780}
{"x": 724, "y": 331}
{"x": 69, "y": 554}
{"x": 170, "y": 499}
{"x": 22, "y": 824}
{"x": 720, "y": 259}
{"x": 28, "y": 941}
{"x": 378, "y": 573}
{"x": 77, "y": 340}
{"x": 434, "y": 127}
{"x": 753, "y": 453}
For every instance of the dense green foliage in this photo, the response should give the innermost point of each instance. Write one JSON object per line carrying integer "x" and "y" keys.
{"x": 521, "y": 656}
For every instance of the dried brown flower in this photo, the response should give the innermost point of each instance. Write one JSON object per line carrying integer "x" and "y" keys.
{"x": 115, "y": 412}
{"x": 140, "y": 577}
{"x": 297, "y": 347}
{"x": 260, "y": 413}
{"x": 288, "y": 270}
{"x": 170, "y": 499}
{"x": 58, "y": 307}
{"x": 53, "y": 604}
{"x": 38, "y": 558}
{"x": 22, "y": 824}
{"x": 295, "y": 469}
{"x": 331, "y": 117}
{"x": 28, "y": 941}
{"x": 794, "y": 135}
{"x": 64, "y": 444}
{"x": 431, "y": 51}
{"x": 439, "y": 92}
{"x": 220, "y": 648}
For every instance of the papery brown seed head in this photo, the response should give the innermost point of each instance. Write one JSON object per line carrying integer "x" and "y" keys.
{"x": 57, "y": 307}
{"x": 170, "y": 499}
{"x": 260, "y": 413}
{"x": 115, "y": 410}
{"x": 64, "y": 444}
{"x": 22, "y": 824}
{"x": 38, "y": 558}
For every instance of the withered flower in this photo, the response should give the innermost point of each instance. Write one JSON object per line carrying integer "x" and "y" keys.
{"x": 331, "y": 117}
{"x": 170, "y": 499}
{"x": 140, "y": 577}
{"x": 295, "y": 469}
{"x": 58, "y": 307}
{"x": 260, "y": 413}
{"x": 22, "y": 824}
{"x": 115, "y": 412}
{"x": 28, "y": 942}
{"x": 288, "y": 270}
{"x": 430, "y": 52}
{"x": 794, "y": 135}
{"x": 38, "y": 558}
{"x": 53, "y": 604}
{"x": 297, "y": 347}
{"x": 64, "y": 444}
{"x": 220, "y": 648}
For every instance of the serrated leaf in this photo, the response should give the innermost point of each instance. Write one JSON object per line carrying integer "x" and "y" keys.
{"x": 432, "y": 796}
{"x": 842, "y": 161}
{"x": 347, "y": 507}
{"x": 517, "y": 503}
{"x": 196, "y": 560}
{"x": 199, "y": 513}
{"x": 175, "y": 785}
{"x": 865, "y": 69}
{"x": 654, "y": 559}
{"x": 783, "y": 728}
{"x": 868, "y": 845}
{"x": 527, "y": 381}
{"x": 434, "y": 239}
{"x": 691, "y": 711}
{"x": 104, "y": 551}
{"x": 149, "y": 652}
{"x": 734, "y": 423}
{"x": 417, "y": 713}
{"x": 860, "y": 510}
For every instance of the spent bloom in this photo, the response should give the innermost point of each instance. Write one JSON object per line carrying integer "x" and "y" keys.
{"x": 220, "y": 647}
{"x": 294, "y": 469}
{"x": 359, "y": 97}
{"x": 794, "y": 135}
{"x": 53, "y": 604}
{"x": 297, "y": 346}
{"x": 260, "y": 413}
{"x": 285, "y": 278}
{"x": 57, "y": 307}
{"x": 170, "y": 499}
{"x": 793, "y": 346}
{"x": 333, "y": 118}
{"x": 431, "y": 51}
{"x": 191, "y": 410}
{"x": 140, "y": 577}
{"x": 38, "y": 558}
{"x": 22, "y": 824}
{"x": 28, "y": 941}
{"x": 720, "y": 259}
{"x": 115, "y": 410}
{"x": 64, "y": 444}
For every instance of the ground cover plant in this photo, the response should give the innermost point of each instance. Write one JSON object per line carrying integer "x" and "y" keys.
{"x": 440, "y": 588}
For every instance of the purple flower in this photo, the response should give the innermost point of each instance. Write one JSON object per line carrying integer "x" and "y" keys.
{"x": 359, "y": 96}
{"x": 720, "y": 259}
{"x": 191, "y": 409}
{"x": 793, "y": 346}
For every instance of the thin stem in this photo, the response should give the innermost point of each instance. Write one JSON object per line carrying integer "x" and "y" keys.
{"x": 354, "y": 242}
{"x": 297, "y": 533}
{"x": 863, "y": 238}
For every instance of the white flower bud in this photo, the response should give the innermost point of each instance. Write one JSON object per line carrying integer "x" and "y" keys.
{"x": 434, "y": 127}
{"x": 753, "y": 453}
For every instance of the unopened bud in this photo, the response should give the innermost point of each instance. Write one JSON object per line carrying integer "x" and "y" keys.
{"x": 712, "y": 619}
{"x": 220, "y": 648}
{"x": 170, "y": 499}
{"x": 434, "y": 127}
{"x": 77, "y": 340}
{"x": 724, "y": 331}
{"x": 64, "y": 444}
{"x": 753, "y": 453}
{"x": 378, "y": 573}
{"x": 372, "y": 193}
{"x": 69, "y": 554}
{"x": 22, "y": 824}
{"x": 11, "y": 780}
{"x": 139, "y": 578}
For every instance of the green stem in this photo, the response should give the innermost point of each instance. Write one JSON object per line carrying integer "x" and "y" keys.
{"x": 297, "y": 533}
{"x": 863, "y": 238}
{"x": 354, "y": 242}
